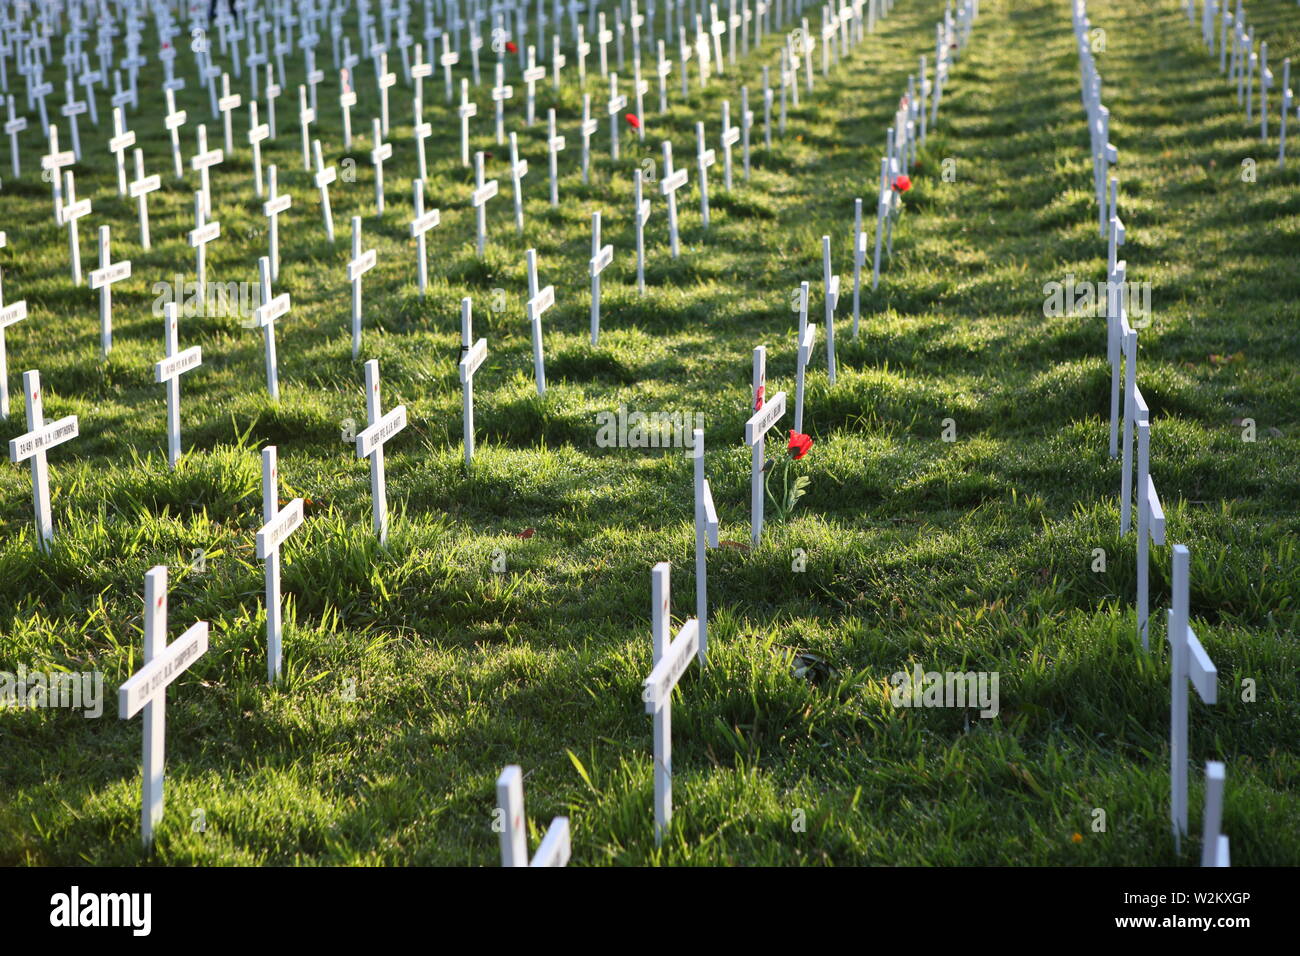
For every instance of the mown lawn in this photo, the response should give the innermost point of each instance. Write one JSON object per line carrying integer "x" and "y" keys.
{"x": 968, "y": 555}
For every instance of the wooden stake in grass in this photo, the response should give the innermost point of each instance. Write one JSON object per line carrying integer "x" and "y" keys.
{"x": 279, "y": 523}
{"x": 554, "y": 848}
{"x": 103, "y": 279}
{"x": 671, "y": 658}
{"x": 370, "y": 444}
{"x": 146, "y": 690}
{"x": 38, "y": 440}
{"x": 169, "y": 371}
{"x": 472, "y": 355}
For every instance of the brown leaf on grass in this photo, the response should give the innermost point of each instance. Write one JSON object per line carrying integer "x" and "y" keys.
{"x": 526, "y": 533}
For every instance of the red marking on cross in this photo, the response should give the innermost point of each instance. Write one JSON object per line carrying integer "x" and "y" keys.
{"x": 160, "y": 600}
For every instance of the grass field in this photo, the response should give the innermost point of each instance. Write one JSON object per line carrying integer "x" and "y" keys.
{"x": 966, "y": 555}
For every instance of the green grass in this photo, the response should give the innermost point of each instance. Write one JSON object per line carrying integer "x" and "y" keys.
{"x": 968, "y": 555}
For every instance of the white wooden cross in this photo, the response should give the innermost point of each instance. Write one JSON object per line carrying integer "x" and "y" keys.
{"x": 278, "y": 524}
{"x": 639, "y": 89}
{"x": 347, "y": 100}
{"x": 1116, "y": 273}
{"x": 448, "y": 59}
{"x": 9, "y": 314}
{"x": 257, "y": 133}
{"x": 671, "y": 658}
{"x": 601, "y": 257}
{"x": 52, "y": 164}
{"x": 72, "y": 108}
{"x": 1287, "y": 103}
{"x": 587, "y": 129}
{"x": 558, "y": 61}
{"x": 767, "y": 412}
{"x": 501, "y": 93}
{"x": 538, "y": 302}
{"x": 169, "y": 370}
{"x": 146, "y": 690}
{"x": 273, "y": 92}
{"x": 386, "y": 81}
{"x": 465, "y": 111}
{"x": 306, "y": 116}
{"x": 472, "y": 355}
{"x": 14, "y": 126}
{"x": 228, "y": 103}
{"x": 1151, "y": 517}
{"x": 271, "y": 309}
{"x": 518, "y": 170}
{"x": 370, "y": 444}
{"x": 807, "y": 336}
{"x": 421, "y": 131}
{"x": 139, "y": 190}
{"x": 322, "y": 178}
{"x": 554, "y": 144}
{"x": 202, "y": 162}
{"x": 831, "y": 289}
{"x": 72, "y": 211}
{"x": 360, "y": 264}
{"x": 603, "y": 37}
{"x": 617, "y": 102}
{"x": 554, "y": 848}
{"x": 746, "y": 124}
{"x": 532, "y": 76}
{"x": 483, "y": 191}
{"x": 202, "y": 233}
{"x": 421, "y": 224}
{"x": 583, "y": 50}
{"x": 883, "y": 200}
{"x": 173, "y": 121}
{"x": 1214, "y": 845}
{"x": 664, "y": 69}
{"x": 706, "y": 536}
{"x": 1130, "y": 346}
{"x": 420, "y": 70}
{"x": 274, "y": 205}
{"x": 642, "y": 215}
{"x": 1188, "y": 661}
{"x": 103, "y": 279}
{"x": 38, "y": 440}
{"x": 122, "y": 140}
{"x": 704, "y": 159}
{"x": 668, "y": 186}
{"x": 730, "y": 134}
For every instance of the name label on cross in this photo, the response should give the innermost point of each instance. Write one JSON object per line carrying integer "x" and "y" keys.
{"x": 371, "y": 438}
{"x": 275, "y": 531}
{"x": 763, "y": 419}
{"x": 170, "y": 368}
{"x": 671, "y": 666}
{"x": 43, "y": 439}
{"x": 146, "y": 683}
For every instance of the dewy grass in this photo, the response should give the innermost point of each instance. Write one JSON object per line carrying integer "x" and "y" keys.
{"x": 414, "y": 672}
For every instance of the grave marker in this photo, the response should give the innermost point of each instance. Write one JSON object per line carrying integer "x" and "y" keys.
{"x": 465, "y": 111}
{"x": 1151, "y": 517}
{"x": 382, "y": 151}
{"x": 1188, "y": 662}
{"x": 642, "y": 216}
{"x": 601, "y": 257}
{"x": 103, "y": 279}
{"x": 704, "y": 159}
{"x": 371, "y": 440}
{"x": 13, "y": 127}
{"x": 483, "y": 191}
{"x": 278, "y": 524}
{"x": 386, "y": 81}
{"x": 587, "y": 130}
{"x": 257, "y": 132}
{"x": 169, "y": 371}
{"x": 537, "y": 304}
{"x": 472, "y": 356}
{"x": 518, "y": 170}
{"x": 9, "y": 314}
{"x": 72, "y": 211}
{"x": 323, "y": 177}
{"x": 271, "y": 209}
{"x": 173, "y": 122}
{"x": 554, "y": 144}
{"x": 766, "y": 414}
{"x": 122, "y": 140}
{"x": 673, "y": 180}
{"x": 421, "y": 224}
{"x": 706, "y": 536}
{"x": 1214, "y": 845}
{"x": 617, "y": 103}
{"x": 34, "y": 445}
{"x": 831, "y": 289}
{"x": 361, "y": 263}
{"x": 859, "y": 259}
{"x": 554, "y": 848}
{"x": 228, "y": 103}
{"x": 501, "y": 93}
{"x": 202, "y": 162}
{"x": 807, "y": 336}
{"x": 671, "y": 658}
{"x": 146, "y": 690}
{"x": 271, "y": 309}
{"x": 202, "y": 233}
{"x": 730, "y": 135}
{"x": 347, "y": 100}
{"x": 306, "y": 116}
{"x": 54, "y": 161}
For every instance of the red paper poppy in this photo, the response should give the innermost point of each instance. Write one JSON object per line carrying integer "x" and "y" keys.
{"x": 758, "y": 398}
{"x": 799, "y": 444}
{"x": 633, "y": 121}
{"x": 510, "y": 45}
{"x": 902, "y": 183}
{"x": 526, "y": 533}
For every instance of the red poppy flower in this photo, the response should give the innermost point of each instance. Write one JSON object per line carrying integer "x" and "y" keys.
{"x": 799, "y": 444}
{"x": 902, "y": 183}
{"x": 633, "y": 121}
{"x": 510, "y": 45}
{"x": 526, "y": 533}
{"x": 758, "y": 398}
